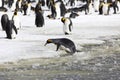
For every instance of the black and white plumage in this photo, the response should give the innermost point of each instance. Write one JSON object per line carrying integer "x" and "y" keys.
{"x": 96, "y": 4}
{"x": 67, "y": 25}
{"x": 16, "y": 20}
{"x": 67, "y": 43}
{"x": 58, "y": 10}
{"x": 105, "y": 9}
{"x": 39, "y": 19}
{"x": 4, "y": 20}
{"x": 11, "y": 30}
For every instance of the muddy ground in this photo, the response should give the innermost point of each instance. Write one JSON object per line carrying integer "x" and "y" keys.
{"x": 103, "y": 63}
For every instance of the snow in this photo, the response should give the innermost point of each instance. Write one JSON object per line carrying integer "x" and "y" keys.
{"x": 30, "y": 40}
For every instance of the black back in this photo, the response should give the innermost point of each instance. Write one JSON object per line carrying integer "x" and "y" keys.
{"x": 66, "y": 43}
{"x": 9, "y": 27}
{"x": 39, "y": 20}
{"x": 4, "y": 20}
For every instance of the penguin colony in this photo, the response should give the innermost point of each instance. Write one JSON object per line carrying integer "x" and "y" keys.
{"x": 58, "y": 10}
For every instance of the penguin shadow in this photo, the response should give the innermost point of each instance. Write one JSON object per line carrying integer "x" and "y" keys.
{"x": 3, "y": 38}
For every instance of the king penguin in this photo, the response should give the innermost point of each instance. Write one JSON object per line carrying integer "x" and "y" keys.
{"x": 11, "y": 30}
{"x": 67, "y": 25}
{"x": 58, "y": 10}
{"x": 106, "y": 8}
{"x": 67, "y": 43}
{"x": 13, "y": 7}
{"x": 96, "y": 5}
{"x": 4, "y": 20}
{"x": 39, "y": 19}
{"x": 29, "y": 7}
{"x": 16, "y": 20}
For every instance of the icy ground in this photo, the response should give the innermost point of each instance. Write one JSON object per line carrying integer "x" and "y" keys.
{"x": 29, "y": 43}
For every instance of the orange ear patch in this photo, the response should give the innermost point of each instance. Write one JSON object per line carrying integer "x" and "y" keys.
{"x": 49, "y": 40}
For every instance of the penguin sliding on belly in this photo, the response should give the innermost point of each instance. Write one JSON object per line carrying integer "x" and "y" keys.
{"x": 11, "y": 30}
{"x": 67, "y": 43}
{"x": 67, "y": 25}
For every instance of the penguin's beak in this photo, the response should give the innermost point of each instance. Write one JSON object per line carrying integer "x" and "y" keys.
{"x": 45, "y": 44}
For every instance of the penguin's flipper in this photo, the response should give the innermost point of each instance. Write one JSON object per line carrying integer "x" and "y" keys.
{"x": 14, "y": 27}
{"x": 70, "y": 26}
{"x": 58, "y": 45}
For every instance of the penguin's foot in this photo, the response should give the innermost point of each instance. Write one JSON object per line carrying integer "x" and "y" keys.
{"x": 66, "y": 33}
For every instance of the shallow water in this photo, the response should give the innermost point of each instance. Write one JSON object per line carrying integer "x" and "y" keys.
{"x": 101, "y": 62}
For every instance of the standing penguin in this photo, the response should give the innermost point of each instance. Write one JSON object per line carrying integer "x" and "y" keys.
{"x": 29, "y": 7}
{"x": 39, "y": 19}
{"x": 16, "y": 20}
{"x": 11, "y": 30}
{"x": 101, "y": 7}
{"x": 13, "y": 7}
{"x": 10, "y": 2}
{"x": 4, "y": 20}
{"x": 96, "y": 5}
{"x": 25, "y": 6}
{"x": 106, "y": 8}
{"x": 58, "y": 10}
{"x": 67, "y": 25}
{"x": 18, "y": 5}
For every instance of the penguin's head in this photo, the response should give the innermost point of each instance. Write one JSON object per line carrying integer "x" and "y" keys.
{"x": 15, "y": 13}
{"x": 63, "y": 19}
{"x": 48, "y": 41}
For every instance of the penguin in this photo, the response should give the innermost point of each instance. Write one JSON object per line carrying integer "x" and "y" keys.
{"x": 106, "y": 8}
{"x": 13, "y": 7}
{"x": 67, "y": 25}
{"x": 28, "y": 8}
{"x": 4, "y": 20}
{"x": 39, "y": 19}
{"x": 11, "y": 30}
{"x": 42, "y": 2}
{"x": 25, "y": 6}
{"x": 63, "y": 9}
{"x": 58, "y": 10}
{"x": 18, "y": 5}
{"x": 115, "y": 6}
{"x": 16, "y": 20}
{"x": 3, "y": 2}
{"x": 100, "y": 7}
{"x": 96, "y": 5}
{"x": 67, "y": 43}
{"x": 53, "y": 9}
{"x": 10, "y": 2}
{"x": 38, "y": 7}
